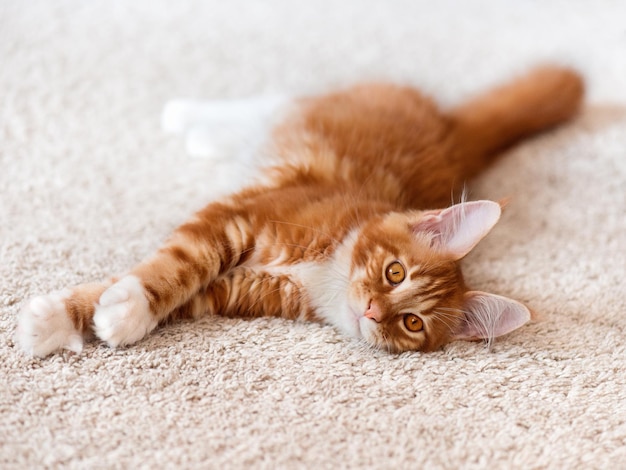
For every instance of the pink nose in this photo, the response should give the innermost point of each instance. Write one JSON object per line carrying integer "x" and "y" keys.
{"x": 373, "y": 312}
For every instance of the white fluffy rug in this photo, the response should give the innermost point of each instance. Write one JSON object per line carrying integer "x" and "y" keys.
{"x": 89, "y": 185}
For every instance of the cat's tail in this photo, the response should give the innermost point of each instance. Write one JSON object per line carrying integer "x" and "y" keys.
{"x": 545, "y": 97}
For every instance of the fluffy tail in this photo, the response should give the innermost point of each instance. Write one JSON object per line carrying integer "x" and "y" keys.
{"x": 496, "y": 120}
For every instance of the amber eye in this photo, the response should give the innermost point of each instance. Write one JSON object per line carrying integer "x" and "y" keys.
{"x": 413, "y": 322}
{"x": 395, "y": 273}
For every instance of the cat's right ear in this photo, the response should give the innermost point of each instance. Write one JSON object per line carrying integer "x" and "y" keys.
{"x": 459, "y": 228}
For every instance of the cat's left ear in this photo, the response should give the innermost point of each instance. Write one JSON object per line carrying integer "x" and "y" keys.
{"x": 457, "y": 229}
{"x": 488, "y": 316}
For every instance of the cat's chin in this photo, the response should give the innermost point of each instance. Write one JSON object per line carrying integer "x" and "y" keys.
{"x": 368, "y": 331}
{"x": 348, "y": 320}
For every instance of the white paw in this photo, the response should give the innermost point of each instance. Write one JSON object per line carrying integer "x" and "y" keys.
{"x": 217, "y": 142}
{"x": 178, "y": 115}
{"x": 123, "y": 313}
{"x": 44, "y": 326}
{"x": 217, "y": 125}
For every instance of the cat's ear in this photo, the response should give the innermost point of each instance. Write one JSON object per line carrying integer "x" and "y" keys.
{"x": 488, "y": 316}
{"x": 457, "y": 229}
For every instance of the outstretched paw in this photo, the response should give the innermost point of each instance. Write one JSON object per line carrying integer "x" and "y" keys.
{"x": 44, "y": 326}
{"x": 123, "y": 313}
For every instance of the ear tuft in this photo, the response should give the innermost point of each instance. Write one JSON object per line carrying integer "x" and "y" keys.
{"x": 488, "y": 316}
{"x": 459, "y": 228}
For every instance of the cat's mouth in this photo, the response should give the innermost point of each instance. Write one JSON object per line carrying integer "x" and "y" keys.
{"x": 358, "y": 318}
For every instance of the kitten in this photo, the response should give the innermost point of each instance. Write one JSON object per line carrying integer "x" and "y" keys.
{"x": 345, "y": 228}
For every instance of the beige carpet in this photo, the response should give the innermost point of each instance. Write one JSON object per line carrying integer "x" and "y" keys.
{"x": 89, "y": 185}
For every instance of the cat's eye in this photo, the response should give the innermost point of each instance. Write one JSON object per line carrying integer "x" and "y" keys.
{"x": 413, "y": 323}
{"x": 395, "y": 273}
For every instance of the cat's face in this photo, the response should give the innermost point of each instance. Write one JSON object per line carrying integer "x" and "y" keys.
{"x": 403, "y": 294}
{"x": 406, "y": 291}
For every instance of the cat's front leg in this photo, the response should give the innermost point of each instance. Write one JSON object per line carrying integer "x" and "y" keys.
{"x": 198, "y": 252}
{"x": 117, "y": 313}
{"x": 124, "y": 312}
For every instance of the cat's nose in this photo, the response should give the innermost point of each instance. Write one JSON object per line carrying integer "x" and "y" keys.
{"x": 373, "y": 312}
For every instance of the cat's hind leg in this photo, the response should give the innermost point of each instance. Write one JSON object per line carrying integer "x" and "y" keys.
{"x": 224, "y": 129}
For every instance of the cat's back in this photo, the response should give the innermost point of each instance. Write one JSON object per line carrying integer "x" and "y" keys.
{"x": 370, "y": 140}
{"x": 375, "y": 121}
{"x": 370, "y": 121}
{"x": 392, "y": 141}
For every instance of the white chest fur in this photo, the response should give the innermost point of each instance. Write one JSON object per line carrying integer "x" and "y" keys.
{"x": 325, "y": 284}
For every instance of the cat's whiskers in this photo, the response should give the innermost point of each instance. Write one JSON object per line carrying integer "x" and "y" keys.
{"x": 371, "y": 347}
{"x": 444, "y": 318}
{"x": 388, "y": 343}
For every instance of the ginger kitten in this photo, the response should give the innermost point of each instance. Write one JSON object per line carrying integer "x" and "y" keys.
{"x": 347, "y": 226}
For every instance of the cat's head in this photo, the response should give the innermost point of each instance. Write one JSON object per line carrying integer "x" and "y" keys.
{"x": 406, "y": 289}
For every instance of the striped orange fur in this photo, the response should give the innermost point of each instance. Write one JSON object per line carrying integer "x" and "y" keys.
{"x": 346, "y": 229}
